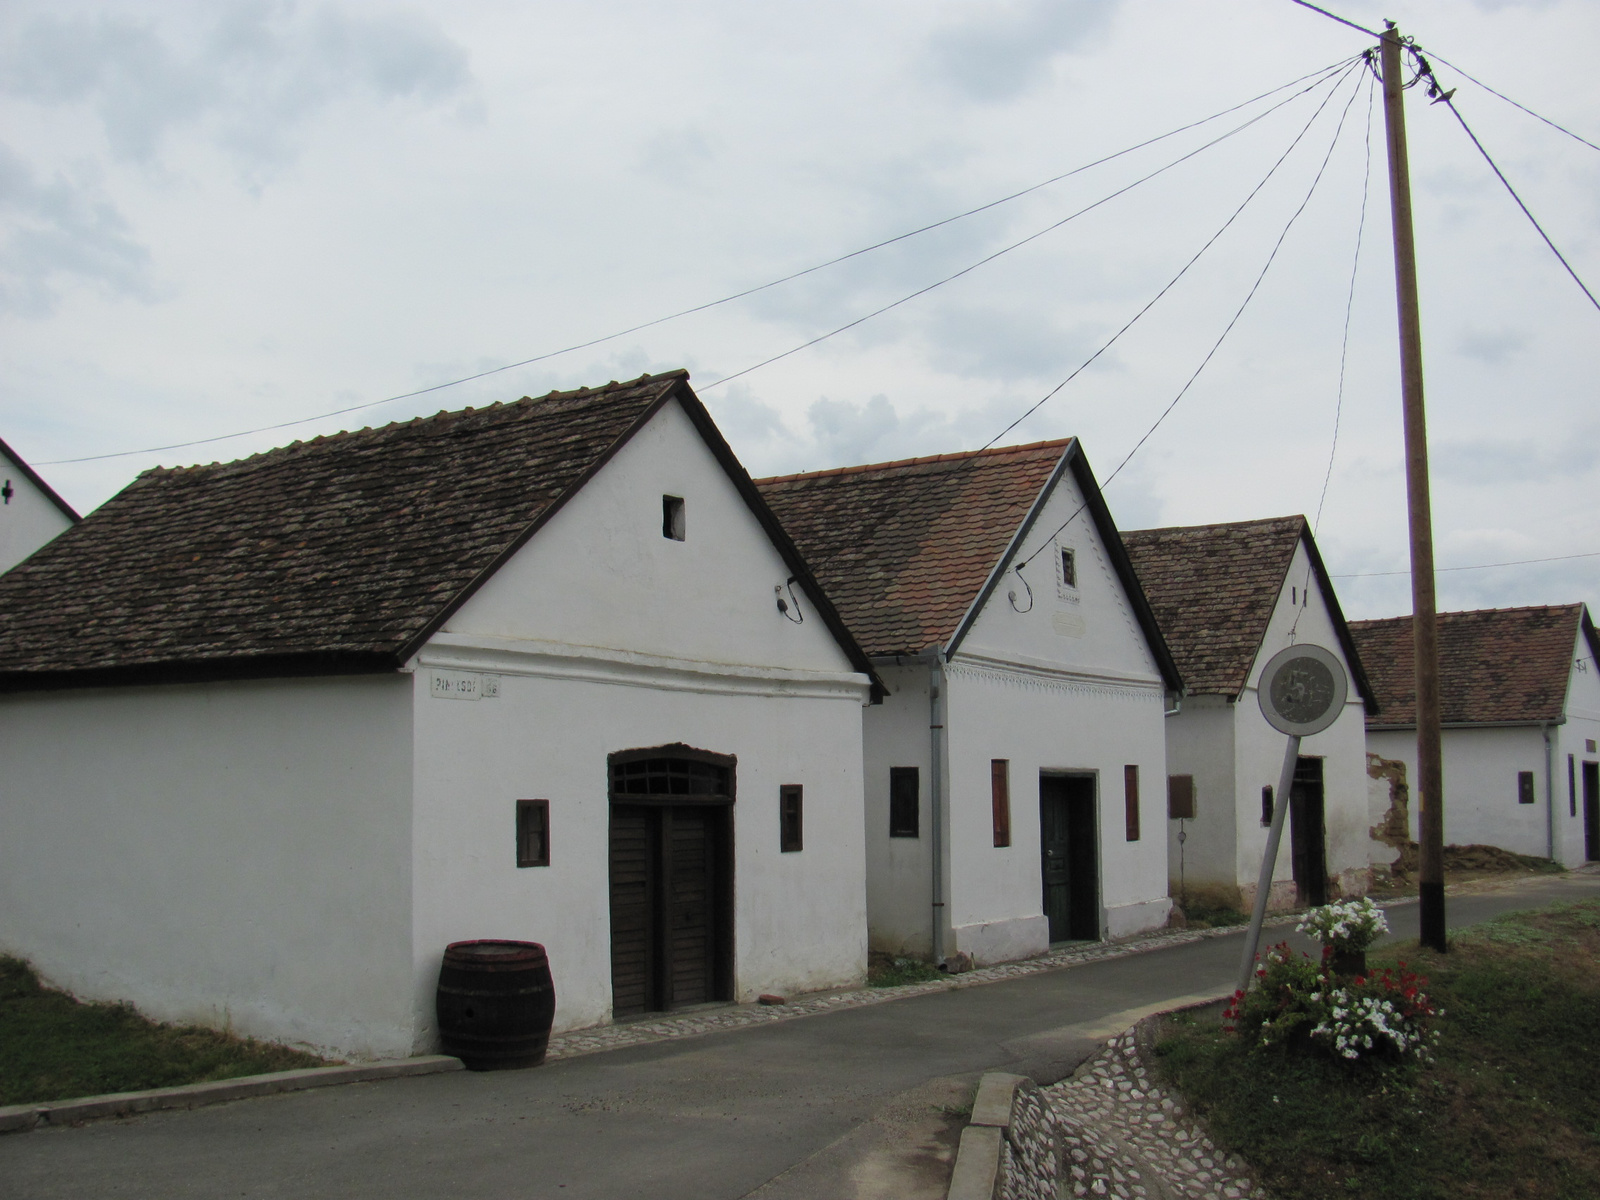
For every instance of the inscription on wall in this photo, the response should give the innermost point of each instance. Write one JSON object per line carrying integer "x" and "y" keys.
{"x": 463, "y": 685}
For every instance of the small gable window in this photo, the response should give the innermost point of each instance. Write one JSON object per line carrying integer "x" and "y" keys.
{"x": 672, "y": 519}
{"x": 1069, "y": 568}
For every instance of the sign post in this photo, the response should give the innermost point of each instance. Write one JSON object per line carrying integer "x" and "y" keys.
{"x": 1302, "y": 691}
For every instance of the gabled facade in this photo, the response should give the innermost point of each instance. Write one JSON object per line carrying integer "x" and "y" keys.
{"x": 1520, "y": 707}
{"x": 1014, "y": 770}
{"x": 1229, "y": 597}
{"x": 31, "y": 513}
{"x": 515, "y": 673}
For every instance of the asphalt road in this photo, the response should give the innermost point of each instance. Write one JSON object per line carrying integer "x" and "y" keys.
{"x": 851, "y": 1104}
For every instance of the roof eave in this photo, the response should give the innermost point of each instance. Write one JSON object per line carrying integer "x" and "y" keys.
{"x": 33, "y": 477}
{"x": 214, "y": 670}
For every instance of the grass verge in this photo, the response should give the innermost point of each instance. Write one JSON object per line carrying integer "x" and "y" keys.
{"x": 53, "y": 1047}
{"x": 888, "y": 970}
{"x": 1509, "y": 1109}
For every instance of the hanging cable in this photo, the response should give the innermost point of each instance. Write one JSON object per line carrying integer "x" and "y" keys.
{"x": 1004, "y": 250}
{"x": 1278, "y": 245}
{"x": 1318, "y": 75}
{"x": 1513, "y": 103}
{"x": 1521, "y": 562}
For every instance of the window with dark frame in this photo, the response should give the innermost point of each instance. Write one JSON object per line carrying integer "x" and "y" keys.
{"x": 1524, "y": 787}
{"x": 790, "y": 818}
{"x": 905, "y": 801}
{"x": 672, "y": 518}
{"x": 1000, "y": 799}
{"x": 1572, "y": 785}
{"x": 1180, "y": 797}
{"x": 533, "y": 833}
{"x": 1266, "y": 805}
{"x": 1130, "y": 800}
{"x": 1069, "y": 569}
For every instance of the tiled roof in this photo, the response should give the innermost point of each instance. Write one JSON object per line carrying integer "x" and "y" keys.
{"x": 333, "y": 554}
{"x": 1496, "y": 665}
{"x": 1214, "y": 587}
{"x": 904, "y": 547}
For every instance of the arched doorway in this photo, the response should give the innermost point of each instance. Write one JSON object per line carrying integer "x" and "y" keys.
{"x": 671, "y": 868}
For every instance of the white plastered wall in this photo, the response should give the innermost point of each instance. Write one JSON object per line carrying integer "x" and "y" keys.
{"x": 28, "y": 519}
{"x": 1067, "y": 684}
{"x": 1259, "y": 751}
{"x": 233, "y": 854}
{"x": 1575, "y": 743}
{"x": 1200, "y": 745}
{"x": 603, "y": 635}
{"x": 900, "y": 869}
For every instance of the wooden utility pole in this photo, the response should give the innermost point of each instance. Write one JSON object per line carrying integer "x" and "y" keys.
{"x": 1424, "y": 623}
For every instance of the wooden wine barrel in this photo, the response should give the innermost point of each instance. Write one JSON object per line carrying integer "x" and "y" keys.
{"x": 495, "y": 1004}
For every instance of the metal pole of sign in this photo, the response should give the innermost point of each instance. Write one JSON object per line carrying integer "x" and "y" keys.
{"x": 1269, "y": 861}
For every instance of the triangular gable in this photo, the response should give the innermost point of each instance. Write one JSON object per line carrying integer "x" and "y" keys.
{"x": 32, "y": 476}
{"x": 910, "y": 550}
{"x": 338, "y": 555}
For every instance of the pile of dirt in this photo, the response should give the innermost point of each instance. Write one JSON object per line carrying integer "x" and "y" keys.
{"x": 1491, "y": 858}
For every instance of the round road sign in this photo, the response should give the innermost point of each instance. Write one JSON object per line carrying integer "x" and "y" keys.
{"x": 1302, "y": 690}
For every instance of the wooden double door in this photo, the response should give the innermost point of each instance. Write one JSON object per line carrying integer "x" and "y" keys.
{"x": 671, "y": 867}
{"x": 1069, "y": 857}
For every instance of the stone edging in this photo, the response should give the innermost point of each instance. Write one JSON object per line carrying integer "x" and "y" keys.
{"x": 17, "y": 1118}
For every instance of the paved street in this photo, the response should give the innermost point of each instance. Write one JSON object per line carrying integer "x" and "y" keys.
{"x": 847, "y": 1104}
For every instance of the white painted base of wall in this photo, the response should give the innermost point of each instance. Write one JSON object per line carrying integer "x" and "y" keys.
{"x": 1003, "y": 941}
{"x": 1136, "y": 918}
{"x": 1284, "y": 895}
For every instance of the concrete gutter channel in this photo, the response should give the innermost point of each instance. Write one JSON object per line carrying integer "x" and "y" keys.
{"x": 18, "y": 1118}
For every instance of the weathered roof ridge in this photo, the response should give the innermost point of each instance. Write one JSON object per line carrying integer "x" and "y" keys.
{"x": 1300, "y": 517}
{"x": 326, "y": 439}
{"x": 958, "y": 456}
{"x": 1370, "y": 622}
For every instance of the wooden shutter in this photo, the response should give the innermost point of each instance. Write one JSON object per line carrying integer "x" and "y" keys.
{"x": 1130, "y": 793}
{"x": 1000, "y": 799}
{"x": 1180, "y": 797}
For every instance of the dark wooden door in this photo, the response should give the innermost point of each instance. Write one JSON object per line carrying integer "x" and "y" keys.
{"x": 671, "y": 866}
{"x": 1068, "y": 857}
{"x": 1591, "y": 811}
{"x": 1308, "y": 835}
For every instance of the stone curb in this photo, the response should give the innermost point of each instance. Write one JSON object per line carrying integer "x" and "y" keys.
{"x": 18, "y": 1118}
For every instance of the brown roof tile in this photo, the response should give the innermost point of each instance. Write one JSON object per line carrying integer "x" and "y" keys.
{"x": 1496, "y": 665}
{"x": 1213, "y": 588}
{"x": 335, "y": 553}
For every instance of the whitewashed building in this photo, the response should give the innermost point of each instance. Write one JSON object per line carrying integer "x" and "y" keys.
{"x": 1519, "y": 693}
{"x": 276, "y": 731}
{"x": 1229, "y": 597}
{"x": 31, "y": 513}
{"x": 1014, "y": 772}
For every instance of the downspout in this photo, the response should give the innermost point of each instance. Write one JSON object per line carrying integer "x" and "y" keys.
{"x": 936, "y": 716}
{"x": 1549, "y": 791}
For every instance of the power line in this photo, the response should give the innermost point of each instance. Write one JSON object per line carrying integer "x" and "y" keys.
{"x": 1319, "y": 74}
{"x": 1451, "y": 105}
{"x": 1521, "y": 562}
{"x": 1336, "y": 17}
{"x": 1210, "y": 354}
{"x": 877, "y": 312}
{"x": 1513, "y": 103}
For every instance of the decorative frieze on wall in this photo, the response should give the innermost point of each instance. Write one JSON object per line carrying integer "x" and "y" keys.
{"x": 1057, "y": 682}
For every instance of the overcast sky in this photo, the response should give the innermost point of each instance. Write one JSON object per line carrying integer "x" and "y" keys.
{"x": 218, "y": 216}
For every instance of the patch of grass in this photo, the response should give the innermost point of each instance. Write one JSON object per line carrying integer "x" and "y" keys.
{"x": 888, "y": 970}
{"x": 1204, "y": 916}
{"x": 53, "y": 1047}
{"x": 1509, "y": 1109}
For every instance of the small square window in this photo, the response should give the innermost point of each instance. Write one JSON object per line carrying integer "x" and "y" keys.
{"x": 1524, "y": 787}
{"x": 904, "y": 801}
{"x": 672, "y": 519}
{"x": 1000, "y": 799}
{"x": 790, "y": 799}
{"x": 1588, "y": 745}
{"x": 1180, "y": 797}
{"x": 1130, "y": 800}
{"x": 533, "y": 833}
